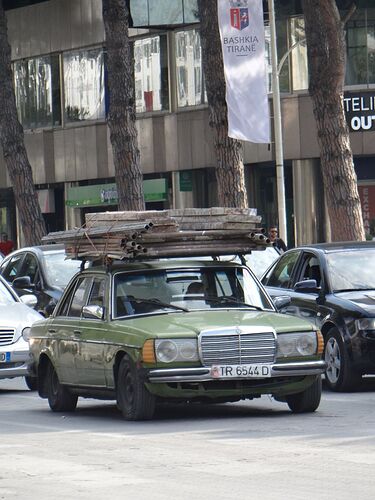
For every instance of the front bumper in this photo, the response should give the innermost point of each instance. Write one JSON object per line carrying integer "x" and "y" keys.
{"x": 203, "y": 374}
{"x": 17, "y": 366}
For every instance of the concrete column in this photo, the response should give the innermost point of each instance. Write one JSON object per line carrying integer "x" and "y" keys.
{"x": 309, "y": 202}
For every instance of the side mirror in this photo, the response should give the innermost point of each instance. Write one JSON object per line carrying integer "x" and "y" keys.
{"x": 29, "y": 300}
{"x": 307, "y": 286}
{"x": 93, "y": 312}
{"x": 22, "y": 282}
{"x": 281, "y": 301}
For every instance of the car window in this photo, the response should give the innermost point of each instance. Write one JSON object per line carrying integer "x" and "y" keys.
{"x": 98, "y": 293}
{"x": 13, "y": 267}
{"x": 59, "y": 270}
{"x": 279, "y": 276}
{"x": 76, "y": 298}
{"x": 311, "y": 269}
{"x": 30, "y": 268}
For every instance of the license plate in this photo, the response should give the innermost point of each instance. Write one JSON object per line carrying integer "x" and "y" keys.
{"x": 241, "y": 371}
{"x": 4, "y": 357}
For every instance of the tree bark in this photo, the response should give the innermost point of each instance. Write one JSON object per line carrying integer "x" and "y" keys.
{"x": 229, "y": 170}
{"x": 327, "y": 61}
{"x": 122, "y": 115}
{"x": 14, "y": 151}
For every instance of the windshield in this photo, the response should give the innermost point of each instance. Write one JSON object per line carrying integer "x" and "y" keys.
{"x": 352, "y": 270}
{"x": 59, "y": 270}
{"x": 186, "y": 290}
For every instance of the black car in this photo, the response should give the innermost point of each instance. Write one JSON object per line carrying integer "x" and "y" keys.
{"x": 333, "y": 285}
{"x": 41, "y": 270}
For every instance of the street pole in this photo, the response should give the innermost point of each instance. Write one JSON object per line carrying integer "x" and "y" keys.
{"x": 279, "y": 152}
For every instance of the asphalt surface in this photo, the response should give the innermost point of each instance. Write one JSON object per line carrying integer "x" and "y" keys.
{"x": 249, "y": 450}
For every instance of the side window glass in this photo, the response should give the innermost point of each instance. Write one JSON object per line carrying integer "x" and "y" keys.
{"x": 311, "y": 269}
{"x": 63, "y": 308}
{"x": 79, "y": 297}
{"x": 13, "y": 268}
{"x": 98, "y": 293}
{"x": 30, "y": 268}
{"x": 281, "y": 273}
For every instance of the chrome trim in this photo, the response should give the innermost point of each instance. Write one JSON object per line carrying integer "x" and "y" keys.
{"x": 203, "y": 374}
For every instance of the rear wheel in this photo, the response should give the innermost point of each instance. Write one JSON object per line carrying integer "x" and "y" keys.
{"x": 59, "y": 397}
{"x": 308, "y": 400}
{"x": 32, "y": 383}
{"x": 339, "y": 375}
{"x": 133, "y": 399}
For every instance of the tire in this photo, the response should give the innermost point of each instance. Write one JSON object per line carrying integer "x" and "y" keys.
{"x": 308, "y": 400}
{"x": 32, "y": 383}
{"x": 133, "y": 399}
{"x": 339, "y": 375}
{"x": 60, "y": 399}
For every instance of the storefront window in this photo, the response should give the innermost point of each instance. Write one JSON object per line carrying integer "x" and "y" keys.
{"x": 360, "y": 67}
{"x": 189, "y": 72}
{"x": 84, "y": 85}
{"x": 163, "y": 12}
{"x": 151, "y": 74}
{"x": 37, "y": 91}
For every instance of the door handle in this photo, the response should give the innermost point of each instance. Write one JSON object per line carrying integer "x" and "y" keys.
{"x": 51, "y": 330}
{"x": 77, "y": 332}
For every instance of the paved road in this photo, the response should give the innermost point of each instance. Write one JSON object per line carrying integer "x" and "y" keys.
{"x": 249, "y": 450}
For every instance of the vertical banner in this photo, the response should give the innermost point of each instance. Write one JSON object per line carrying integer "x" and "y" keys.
{"x": 242, "y": 39}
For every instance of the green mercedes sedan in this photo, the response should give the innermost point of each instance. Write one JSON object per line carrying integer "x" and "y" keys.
{"x": 147, "y": 332}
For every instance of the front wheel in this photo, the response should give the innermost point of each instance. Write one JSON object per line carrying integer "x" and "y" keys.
{"x": 133, "y": 399}
{"x": 339, "y": 375}
{"x": 32, "y": 383}
{"x": 59, "y": 397}
{"x": 308, "y": 400}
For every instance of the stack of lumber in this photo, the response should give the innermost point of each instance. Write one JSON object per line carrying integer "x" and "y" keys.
{"x": 163, "y": 233}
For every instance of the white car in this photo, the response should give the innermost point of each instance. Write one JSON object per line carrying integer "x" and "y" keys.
{"x": 16, "y": 317}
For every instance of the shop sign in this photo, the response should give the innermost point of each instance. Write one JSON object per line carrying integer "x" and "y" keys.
{"x": 106, "y": 194}
{"x": 367, "y": 195}
{"x": 360, "y": 111}
{"x": 186, "y": 181}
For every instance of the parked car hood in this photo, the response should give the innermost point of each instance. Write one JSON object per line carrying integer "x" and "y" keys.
{"x": 13, "y": 315}
{"x": 172, "y": 324}
{"x": 364, "y": 299}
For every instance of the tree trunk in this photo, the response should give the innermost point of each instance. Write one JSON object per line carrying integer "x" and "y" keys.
{"x": 14, "y": 151}
{"x": 229, "y": 152}
{"x": 327, "y": 61}
{"x": 122, "y": 116}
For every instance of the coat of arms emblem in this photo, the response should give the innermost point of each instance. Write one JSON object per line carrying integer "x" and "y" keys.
{"x": 239, "y": 14}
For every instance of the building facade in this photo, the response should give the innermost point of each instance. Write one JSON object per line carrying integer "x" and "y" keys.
{"x": 59, "y": 63}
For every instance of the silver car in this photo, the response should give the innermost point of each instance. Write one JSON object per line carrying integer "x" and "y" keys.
{"x": 16, "y": 318}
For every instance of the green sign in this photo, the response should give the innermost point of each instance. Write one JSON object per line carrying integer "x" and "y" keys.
{"x": 186, "y": 180}
{"x": 106, "y": 194}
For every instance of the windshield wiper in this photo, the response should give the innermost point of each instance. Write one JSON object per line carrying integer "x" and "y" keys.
{"x": 232, "y": 300}
{"x": 159, "y": 303}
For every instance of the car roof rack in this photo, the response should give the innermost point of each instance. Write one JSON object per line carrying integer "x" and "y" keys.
{"x": 141, "y": 235}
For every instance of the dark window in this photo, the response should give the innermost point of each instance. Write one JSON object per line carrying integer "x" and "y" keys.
{"x": 13, "y": 268}
{"x": 280, "y": 275}
{"x": 30, "y": 268}
{"x": 98, "y": 293}
{"x": 311, "y": 269}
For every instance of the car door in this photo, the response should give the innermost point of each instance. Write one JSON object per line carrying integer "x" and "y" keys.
{"x": 65, "y": 328}
{"x": 279, "y": 278}
{"x": 92, "y": 337}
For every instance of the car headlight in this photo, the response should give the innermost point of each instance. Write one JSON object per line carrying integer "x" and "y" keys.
{"x": 169, "y": 350}
{"x": 297, "y": 344}
{"x": 26, "y": 333}
{"x": 365, "y": 324}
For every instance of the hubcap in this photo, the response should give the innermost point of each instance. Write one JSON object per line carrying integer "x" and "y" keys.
{"x": 332, "y": 357}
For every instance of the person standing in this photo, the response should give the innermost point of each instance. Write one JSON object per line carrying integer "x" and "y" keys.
{"x": 6, "y": 246}
{"x": 277, "y": 242}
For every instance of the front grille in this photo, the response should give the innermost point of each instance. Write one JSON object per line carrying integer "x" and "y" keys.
{"x": 6, "y": 336}
{"x": 237, "y": 346}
